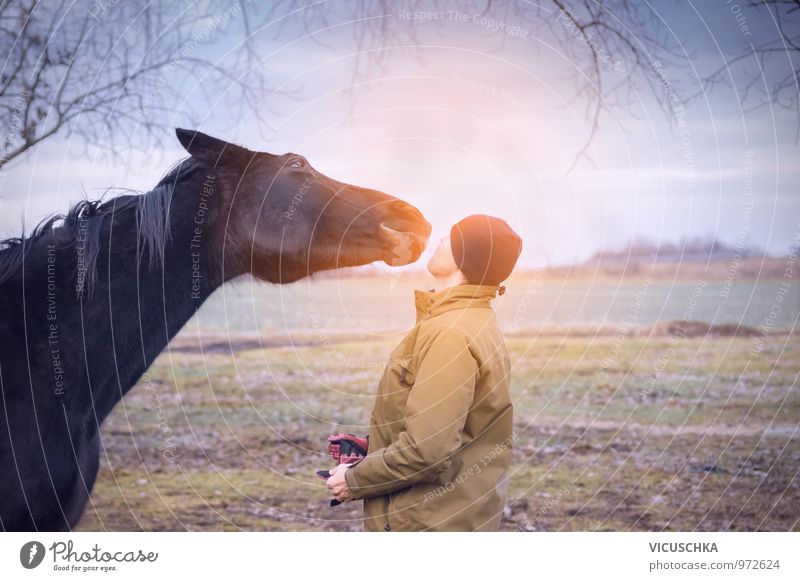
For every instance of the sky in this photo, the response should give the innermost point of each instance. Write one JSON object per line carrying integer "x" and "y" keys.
{"x": 470, "y": 118}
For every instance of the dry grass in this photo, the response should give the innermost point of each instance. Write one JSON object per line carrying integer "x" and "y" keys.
{"x": 711, "y": 443}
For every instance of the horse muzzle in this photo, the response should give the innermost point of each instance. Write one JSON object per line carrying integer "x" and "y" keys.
{"x": 402, "y": 247}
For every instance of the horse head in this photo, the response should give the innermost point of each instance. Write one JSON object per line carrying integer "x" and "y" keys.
{"x": 285, "y": 220}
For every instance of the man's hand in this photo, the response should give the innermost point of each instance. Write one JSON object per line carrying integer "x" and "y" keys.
{"x": 337, "y": 483}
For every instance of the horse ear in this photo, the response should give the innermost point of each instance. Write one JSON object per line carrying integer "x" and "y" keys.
{"x": 212, "y": 150}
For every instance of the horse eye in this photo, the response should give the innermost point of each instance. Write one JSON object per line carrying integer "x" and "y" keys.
{"x": 297, "y": 162}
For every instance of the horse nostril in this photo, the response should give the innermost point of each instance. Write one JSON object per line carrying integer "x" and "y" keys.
{"x": 407, "y": 217}
{"x": 403, "y": 210}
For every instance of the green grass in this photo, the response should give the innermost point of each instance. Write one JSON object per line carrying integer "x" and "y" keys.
{"x": 380, "y": 304}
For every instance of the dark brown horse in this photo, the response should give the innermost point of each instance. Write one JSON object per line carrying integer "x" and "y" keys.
{"x": 90, "y": 299}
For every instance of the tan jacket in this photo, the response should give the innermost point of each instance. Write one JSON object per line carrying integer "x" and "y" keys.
{"x": 441, "y": 426}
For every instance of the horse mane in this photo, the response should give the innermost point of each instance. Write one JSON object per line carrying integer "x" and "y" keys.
{"x": 84, "y": 221}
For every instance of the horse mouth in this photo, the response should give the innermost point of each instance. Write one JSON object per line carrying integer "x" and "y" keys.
{"x": 401, "y": 247}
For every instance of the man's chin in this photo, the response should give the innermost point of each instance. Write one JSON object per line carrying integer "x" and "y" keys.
{"x": 438, "y": 272}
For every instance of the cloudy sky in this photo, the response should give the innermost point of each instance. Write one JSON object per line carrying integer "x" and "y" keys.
{"x": 474, "y": 117}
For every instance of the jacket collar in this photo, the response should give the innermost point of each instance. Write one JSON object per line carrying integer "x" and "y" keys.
{"x": 462, "y": 296}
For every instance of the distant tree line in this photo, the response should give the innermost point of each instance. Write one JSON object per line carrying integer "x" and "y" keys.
{"x": 687, "y": 248}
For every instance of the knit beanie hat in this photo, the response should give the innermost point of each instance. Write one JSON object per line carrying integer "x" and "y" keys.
{"x": 485, "y": 248}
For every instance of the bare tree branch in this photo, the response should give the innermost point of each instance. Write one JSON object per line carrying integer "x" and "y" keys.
{"x": 95, "y": 68}
{"x": 104, "y": 70}
{"x": 782, "y": 82}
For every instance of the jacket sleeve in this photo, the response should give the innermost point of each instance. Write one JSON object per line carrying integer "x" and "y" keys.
{"x": 436, "y": 411}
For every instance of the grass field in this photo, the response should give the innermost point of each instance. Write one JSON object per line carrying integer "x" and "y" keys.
{"x": 618, "y": 428}
{"x": 383, "y": 304}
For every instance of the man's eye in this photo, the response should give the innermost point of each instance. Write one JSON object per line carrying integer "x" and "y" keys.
{"x": 297, "y": 162}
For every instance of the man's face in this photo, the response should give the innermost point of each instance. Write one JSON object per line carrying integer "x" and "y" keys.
{"x": 442, "y": 263}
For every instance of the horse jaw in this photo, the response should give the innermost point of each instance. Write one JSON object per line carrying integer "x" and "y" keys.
{"x": 401, "y": 248}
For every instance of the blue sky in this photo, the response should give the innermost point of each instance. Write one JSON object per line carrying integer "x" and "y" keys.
{"x": 473, "y": 120}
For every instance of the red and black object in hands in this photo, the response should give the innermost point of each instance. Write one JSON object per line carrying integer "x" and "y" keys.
{"x": 347, "y": 448}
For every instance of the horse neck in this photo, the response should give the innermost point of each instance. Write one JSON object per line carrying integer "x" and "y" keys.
{"x": 148, "y": 304}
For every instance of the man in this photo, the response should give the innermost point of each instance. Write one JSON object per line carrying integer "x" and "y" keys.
{"x": 441, "y": 427}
